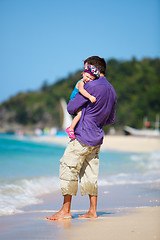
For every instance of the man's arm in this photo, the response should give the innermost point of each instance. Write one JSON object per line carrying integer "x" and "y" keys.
{"x": 79, "y": 100}
{"x": 76, "y": 103}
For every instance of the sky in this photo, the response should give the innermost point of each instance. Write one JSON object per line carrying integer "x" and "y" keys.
{"x": 46, "y": 40}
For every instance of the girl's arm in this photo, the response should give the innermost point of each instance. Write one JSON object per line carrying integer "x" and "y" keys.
{"x": 85, "y": 93}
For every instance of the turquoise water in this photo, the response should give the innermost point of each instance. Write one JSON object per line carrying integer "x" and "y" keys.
{"x": 22, "y": 158}
{"x": 29, "y": 170}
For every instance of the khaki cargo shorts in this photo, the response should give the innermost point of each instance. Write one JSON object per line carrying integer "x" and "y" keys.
{"x": 83, "y": 161}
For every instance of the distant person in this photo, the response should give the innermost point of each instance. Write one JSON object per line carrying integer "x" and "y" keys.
{"x": 90, "y": 73}
{"x": 81, "y": 155}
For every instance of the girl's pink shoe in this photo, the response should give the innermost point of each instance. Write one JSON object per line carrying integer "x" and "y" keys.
{"x": 70, "y": 133}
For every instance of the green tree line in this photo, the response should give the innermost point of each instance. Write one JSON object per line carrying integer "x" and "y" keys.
{"x": 137, "y": 84}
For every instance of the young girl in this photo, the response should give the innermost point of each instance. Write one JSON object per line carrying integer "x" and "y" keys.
{"x": 90, "y": 73}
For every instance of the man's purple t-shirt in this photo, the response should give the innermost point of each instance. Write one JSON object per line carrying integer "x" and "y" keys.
{"x": 94, "y": 115}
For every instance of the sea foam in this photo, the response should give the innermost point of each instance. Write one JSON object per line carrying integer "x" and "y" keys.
{"x": 25, "y": 192}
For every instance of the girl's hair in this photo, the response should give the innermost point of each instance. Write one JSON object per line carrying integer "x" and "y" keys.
{"x": 92, "y": 70}
{"x": 97, "y": 62}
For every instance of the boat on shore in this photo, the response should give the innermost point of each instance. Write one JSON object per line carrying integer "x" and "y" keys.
{"x": 151, "y": 129}
{"x": 141, "y": 132}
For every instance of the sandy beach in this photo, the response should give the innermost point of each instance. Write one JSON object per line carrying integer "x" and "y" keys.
{"x": 133, "y": 223}
{"x": 142, "y": 223}
{"x": 115, "y": 143}
{"x": 124, "y": 213}
{"x": 138, "y": 223}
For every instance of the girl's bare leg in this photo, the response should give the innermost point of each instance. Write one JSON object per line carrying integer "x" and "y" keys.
{"x": 76, "y": 120}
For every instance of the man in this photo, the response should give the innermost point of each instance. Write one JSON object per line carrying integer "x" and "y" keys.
{"x": 81, "y": 155}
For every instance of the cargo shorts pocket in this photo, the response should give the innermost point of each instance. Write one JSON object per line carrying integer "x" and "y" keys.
{"x": 68, "y": 170}
{"x": 70, "y": 162}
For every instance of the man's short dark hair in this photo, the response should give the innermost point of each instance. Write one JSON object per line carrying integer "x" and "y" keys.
{"x": 97, "y": 62}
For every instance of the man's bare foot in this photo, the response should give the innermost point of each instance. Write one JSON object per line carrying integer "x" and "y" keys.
{"x": 59, "y": 215}
{"x": 88, "y": 215}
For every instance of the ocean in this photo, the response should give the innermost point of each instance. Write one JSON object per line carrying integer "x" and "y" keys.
{"x": 29, "y": 170}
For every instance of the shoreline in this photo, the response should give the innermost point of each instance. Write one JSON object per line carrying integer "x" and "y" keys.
{"x": 132, "y": 223}
{"x": 128, "y": 211}
{"x": 120, "y": 143}
{"x": 141, "y": 223}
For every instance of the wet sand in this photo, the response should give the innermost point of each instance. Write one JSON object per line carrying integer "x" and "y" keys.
{"x": 119, "y": 224}
{"x": 122, "y": 214}
{"x": 141, "y": 224}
